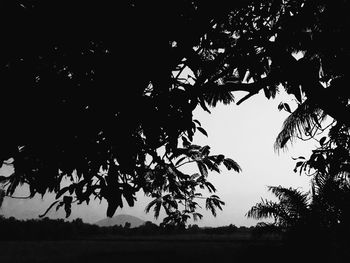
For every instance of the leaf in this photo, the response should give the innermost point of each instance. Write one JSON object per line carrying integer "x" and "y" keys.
{"x": 156, "y": 209}
{"x": 14, "y": 182}
{"x": 62, "y": 191}
{"x": 112, "y": 207}
{"x": 114, "y": 201}
{"x": 47, "y": 210}
{"x": 2, "y": 195}
{"x": 68, "y": 210}
{"x": 280, "y": 106}
{"x": 185, "y": 141}
{"x": 211, "y": 165}
{"x": 210, "y": 187}
{"x": 197, "y": 216}
{"x": 197, "y": 121}
{"x": 267, "y": 93}
{"x": 150, "y": 204}
{"x": 128, "y": 194}
{"x": 202, "y": 168}
{"x": 194, "y": 176}
{"x": 204, "y": 107}
{"x": 218, "y": 159}
{"x": 71, "y": 188}
{"x": 180, "y": 160}
{"x": 299, "y": 164}
{"x": 67, "y": 200}
{"x": 205, "y": 150}
{"x": 286, "y": 107}
{"x": 202, "y": 131}
{"x": 59, "y": 205}
{"x": 231, "y": 164}
{"x": 212, "y": 203}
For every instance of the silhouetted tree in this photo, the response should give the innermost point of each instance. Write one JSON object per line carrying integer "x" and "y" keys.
{"x": 329, "y": 167}
{"x": 105, "y": 100}
{"x": 291, "y": 209}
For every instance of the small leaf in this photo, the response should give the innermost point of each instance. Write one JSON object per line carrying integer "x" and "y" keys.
{"x": 205, "y": 150}
{"x": 185, "y": 141}
{"x": 71, "y": 188}
{"x": 202, "y": 131}
{"x": 59, "y": 205}
{"x": 267, "y": 93}
{"x": 210, "y": 187}
{"x": 204, "y": 107}
{"x": 286, "y": 107}
{"x": 47, "y": 210}
{"x": 197, "y": 216}
{"x": 280, "y": 106}
{"x": 196, "y": 121}
{"x": 322, "y": 140}
{"x": 298, "y": 164}
{"x": 203, "y": 169}
{"x": 62, "y": 191}
{"x": 180, "y": 160}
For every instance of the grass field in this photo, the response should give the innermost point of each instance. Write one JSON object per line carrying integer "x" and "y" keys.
{"x": 152, "y": 249}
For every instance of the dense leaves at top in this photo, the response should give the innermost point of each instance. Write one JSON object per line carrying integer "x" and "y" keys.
{"x": 103, "y": 94}
{"x": 94, "y": 93}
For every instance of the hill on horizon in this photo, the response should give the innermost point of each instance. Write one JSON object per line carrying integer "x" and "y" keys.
{"x": 121, "y": 220}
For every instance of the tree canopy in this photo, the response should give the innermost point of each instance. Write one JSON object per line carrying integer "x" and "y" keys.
{"x": 103, "y": 95}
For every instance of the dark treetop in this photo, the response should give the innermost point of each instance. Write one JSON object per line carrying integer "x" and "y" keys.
{"x": 103, "y": 95}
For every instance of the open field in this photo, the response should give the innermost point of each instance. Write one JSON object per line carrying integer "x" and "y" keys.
{"x": 167, "y": 249}
{"x": 152, "y": 249}
{"x": 132, "y": 251}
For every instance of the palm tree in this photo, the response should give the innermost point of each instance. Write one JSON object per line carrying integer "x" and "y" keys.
{"x": 330, "y": 200}
{"x": 291, "y": 209}
{"x": 303, "y": 121}
{"x": 325, "y": 207}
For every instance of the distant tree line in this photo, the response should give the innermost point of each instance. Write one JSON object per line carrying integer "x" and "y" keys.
{"x": 59, "y": 229}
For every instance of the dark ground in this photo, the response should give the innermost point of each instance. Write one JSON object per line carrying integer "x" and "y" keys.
{"x": 162, "y": 249}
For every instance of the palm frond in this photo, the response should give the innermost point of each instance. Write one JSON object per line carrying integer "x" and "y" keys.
{"x": 294, "y": 201}
{"x": 150, "y": 204}
{"x": 298, "y": 122}
{"x": 264, "y": 209}
{"x": 157, "y": 203}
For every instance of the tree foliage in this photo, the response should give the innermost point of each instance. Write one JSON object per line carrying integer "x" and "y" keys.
{"x": 95, "y": 92}
{"x": 292, "y": 207}
{"x": 327, "y": 204}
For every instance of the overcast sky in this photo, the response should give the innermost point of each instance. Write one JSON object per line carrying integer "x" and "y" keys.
{"x": 245, "y": 133}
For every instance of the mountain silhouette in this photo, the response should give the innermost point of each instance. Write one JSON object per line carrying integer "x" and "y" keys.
{"x": 121, "y": 220}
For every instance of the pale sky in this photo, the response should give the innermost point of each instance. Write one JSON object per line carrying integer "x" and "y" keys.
{"x": 245, "y": 133}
